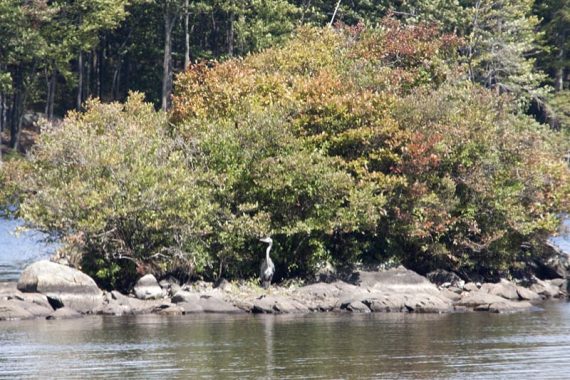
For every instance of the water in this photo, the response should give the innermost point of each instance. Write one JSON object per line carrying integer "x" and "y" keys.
{"x": 314, "y": 346}
{"x": 20, "y": 249}
{"x": 563, "y": 238}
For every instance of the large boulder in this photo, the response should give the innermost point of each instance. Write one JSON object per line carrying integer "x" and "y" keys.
{"x": 325, "y": 297}
{"x": 63, "y": 286}
{"x": 277, "y": 305}
{"x": 147, "y": 288}
{"x": 545, "y": 289}
{"x": 64, "y": 313}
{"x": 395, "y": 280}
{"x": 47, "y": 277}
{"x": 212, "y": 304}
{"x": 504, "y": 288}
{"x": 408, "y": 302}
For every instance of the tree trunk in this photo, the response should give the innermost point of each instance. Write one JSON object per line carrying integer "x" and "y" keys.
{"x": 167, "y": 62}
{"x": 87, "y": 81}
{"x": 16, "y": 112}
{"x": 80, "y": 84}
{"x": 559, "y": 81}
{"x": 98, "y": 68}
{"x": 231, "y": 35}
{"x": 50, "y": 98}
{"x": 52, "y": 84}
{"x": 186, "y": 36}
{"x": 334, "y": 13}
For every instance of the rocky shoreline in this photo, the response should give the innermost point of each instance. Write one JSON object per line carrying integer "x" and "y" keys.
{"x": 53, "y": 291}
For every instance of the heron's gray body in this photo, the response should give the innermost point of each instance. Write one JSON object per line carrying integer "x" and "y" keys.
{"x": 267, "y": 266}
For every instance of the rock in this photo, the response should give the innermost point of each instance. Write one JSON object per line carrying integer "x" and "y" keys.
{"x": 63, "y": 286}
{"x": 277, "y": 304}
{"x": 557, "y": 265}
{"x": 358, "y": 307}
{"x": 397, "y": 280}
{"x": 453, "y": 296}
{"x": 46, "y": 277}
{"x": 385, "y": 303}
{"x": 35, "y": 309}
{"x": 422, "y": 303}
{"x": 478, "y": 299}
{"x": 120, "y": 304}
{"x": 171, "y": 310}
{"x": 64, "y": 313}
{"x": 455, "y": 289}
{"x": 190, "y": 308}
{"x": 147, "y": 288}
{"x": 527, "y": 294}
{"x": 8, "y": 289}
{"x": 174, "y": 288}
{"x": 407, "y": 302}
{"x": 471, "y": 287}
{"x": 185, "y": 296}
{"x": 324, "y": 297}
{"x": 212, "y": 304}
{"x": 12, "y": 310}
{"x": 441, "y": 276}
{"x": 545, "y": 289}
{"x": 505, "y": 289}
{"x": 509, "y": 307}
{"x": 35, "y": 298}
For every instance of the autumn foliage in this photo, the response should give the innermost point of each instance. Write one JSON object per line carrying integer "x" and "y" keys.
{"x": 346, "y": 145}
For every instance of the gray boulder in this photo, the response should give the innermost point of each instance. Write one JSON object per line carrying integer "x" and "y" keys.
{"x": 277, "y": 305}
{"x": 186, "y": 296}
{"x": 13, "y": 310}
{"x": 471, "y": 287}
{"x": 64, "y": 313}
{"x": 358, "y": 307}
{"x": 483, "y": 301}
{"x": 63, "y": 285}
{"x": 211, "y": 304}
{"x": 527, "y": 294}
{"x": 506, "y": 306}
{"x": 325, "y": 297}
{"x": 46, "y": 277}
{"x": 190, "y": 308}
{"x": 399, "y": 280}
{"x": 478, "y": 298}
{"x": 505, "y": 289}
{"x": 545, "y": 289}
{"x": 147, "y": 288}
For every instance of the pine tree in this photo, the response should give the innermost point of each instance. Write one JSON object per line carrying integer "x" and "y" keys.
{"x": 501, "y": 40}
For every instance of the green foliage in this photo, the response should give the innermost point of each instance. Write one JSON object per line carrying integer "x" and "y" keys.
{"x": 345, "y": 145}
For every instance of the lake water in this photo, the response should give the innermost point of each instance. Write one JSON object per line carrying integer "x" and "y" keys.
{"x": 19, "y": 249}
{"x": 314, "y": 346}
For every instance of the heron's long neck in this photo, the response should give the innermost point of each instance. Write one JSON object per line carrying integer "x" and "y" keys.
{"x": 267, "y": 251}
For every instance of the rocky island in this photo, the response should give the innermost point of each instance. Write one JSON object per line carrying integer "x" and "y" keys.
{"x": 54, "y": 291}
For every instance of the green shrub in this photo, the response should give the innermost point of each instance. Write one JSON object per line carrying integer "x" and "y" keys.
{"x": 345, "y": 146}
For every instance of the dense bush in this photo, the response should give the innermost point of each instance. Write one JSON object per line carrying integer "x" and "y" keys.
{"x": 346, "y": 145}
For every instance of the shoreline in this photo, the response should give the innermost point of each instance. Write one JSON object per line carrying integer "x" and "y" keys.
{"x": 53, "y": 291}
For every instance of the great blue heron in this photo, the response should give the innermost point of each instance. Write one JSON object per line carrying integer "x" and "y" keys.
{"x": 267, "y": 266}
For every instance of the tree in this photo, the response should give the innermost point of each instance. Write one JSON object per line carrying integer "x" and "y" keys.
{"x": 555, "y": 24}
{"x": 500, "y": 41}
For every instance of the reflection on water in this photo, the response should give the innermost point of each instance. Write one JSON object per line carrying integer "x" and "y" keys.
{"x": 322, "y": 346}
